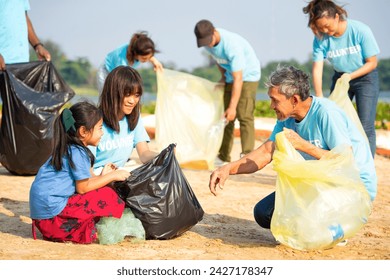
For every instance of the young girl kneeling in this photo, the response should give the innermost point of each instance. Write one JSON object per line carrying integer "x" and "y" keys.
{"x": 66, "y": 198}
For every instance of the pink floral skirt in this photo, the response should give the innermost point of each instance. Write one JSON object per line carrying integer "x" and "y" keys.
{"x": 76, "y": 222}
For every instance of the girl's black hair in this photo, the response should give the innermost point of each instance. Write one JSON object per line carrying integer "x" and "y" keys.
{"x": 85, "y": 114}
{"x": 120, "y": 82}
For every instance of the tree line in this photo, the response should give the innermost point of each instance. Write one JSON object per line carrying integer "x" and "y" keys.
{"x": 81, "y": 73}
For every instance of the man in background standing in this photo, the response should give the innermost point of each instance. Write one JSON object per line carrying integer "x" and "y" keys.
{"x": 240, "y": 69}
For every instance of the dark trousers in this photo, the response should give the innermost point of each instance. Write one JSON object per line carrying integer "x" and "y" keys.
{"x": 245, "y": 115}
{"x": 264, "y": 210}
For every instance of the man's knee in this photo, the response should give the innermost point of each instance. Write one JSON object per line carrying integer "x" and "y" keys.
{"x": 261, "y": 216}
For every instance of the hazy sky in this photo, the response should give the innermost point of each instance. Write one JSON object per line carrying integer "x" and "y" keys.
{"x": 277, "y": 29}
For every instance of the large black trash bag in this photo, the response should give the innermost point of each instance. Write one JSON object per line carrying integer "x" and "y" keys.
{"x": 161, "y": 197}
{"x": 32, "y": 95}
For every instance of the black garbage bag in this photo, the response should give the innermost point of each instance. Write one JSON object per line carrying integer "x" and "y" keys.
{"x": 161, "y": 197}
{"x": 32, "y": 95}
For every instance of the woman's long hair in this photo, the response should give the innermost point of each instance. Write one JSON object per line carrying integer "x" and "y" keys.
{"x": 120, "y": 82}
{"x": 140, "y": 44}
{"x": 84, "y": 114}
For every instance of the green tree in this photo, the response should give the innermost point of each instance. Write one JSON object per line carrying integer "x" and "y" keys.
{"x": 58, "y": 57}
{"x": 80, "y": 72}
{"x": 76, "y": 72}
{"x": 210, "y": 73}
{"x": 384, "y": 74}
{"x": 149, "y": 79}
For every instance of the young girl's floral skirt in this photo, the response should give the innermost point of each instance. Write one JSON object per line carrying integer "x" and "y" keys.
{"x": 76, "y": 223}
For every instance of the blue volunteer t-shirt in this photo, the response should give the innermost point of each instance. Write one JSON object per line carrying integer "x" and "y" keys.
{"x": 117, "y": 147}
{"x": 118, "y": 58}
{"x": 14, "y": 45}
{"x": 51, "y": 189}
{"x": 327, "y": 126}
{"x": 234, "y": 53}
{"x": 348, "y": 52}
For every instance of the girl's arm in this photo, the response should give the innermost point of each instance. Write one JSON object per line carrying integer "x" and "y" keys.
{"x": 144, "y": 153}
{"x": 157, "y": 66}
{"x": 318, "y": 67}
{"x": 96, "y": 182}
{"x": 370, "y": 65}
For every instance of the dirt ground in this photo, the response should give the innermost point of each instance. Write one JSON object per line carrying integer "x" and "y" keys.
{"x": 227, "y": 231}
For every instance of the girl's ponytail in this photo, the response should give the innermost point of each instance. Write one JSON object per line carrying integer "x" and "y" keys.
{"x": 65, "y": 132}
{"x": 67, "y": 120}
{"x": 60, "y": 141}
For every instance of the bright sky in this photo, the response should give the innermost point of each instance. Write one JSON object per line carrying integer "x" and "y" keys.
{"x": 277, "y": 29}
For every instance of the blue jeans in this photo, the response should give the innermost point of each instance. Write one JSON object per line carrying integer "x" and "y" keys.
{"x": 264, "y": 210}
{"x": 365, "y": 89}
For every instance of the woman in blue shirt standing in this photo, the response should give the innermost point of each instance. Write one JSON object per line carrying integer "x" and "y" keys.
{"x": 139, "y": 50}
{"x": 351, "y": 48}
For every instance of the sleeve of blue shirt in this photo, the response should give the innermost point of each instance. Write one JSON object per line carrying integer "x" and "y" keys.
{"x": 82, "y": 164}
{"x": 318, "y": 52}
{"x": 237, "y": 59}
{"x": 369, "y": 45}
{"x": 277, "y": 128}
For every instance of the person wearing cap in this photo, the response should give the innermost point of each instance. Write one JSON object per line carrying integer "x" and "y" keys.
{"x": 16, "y": 33}
{"x": 240, "y": 70}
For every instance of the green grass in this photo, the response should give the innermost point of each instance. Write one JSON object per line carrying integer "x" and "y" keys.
{"x": 262, "y": 109}
{"x": 148, "y": 108}
{"x": 88, "y": 91}
{"x": 382, "y": 114}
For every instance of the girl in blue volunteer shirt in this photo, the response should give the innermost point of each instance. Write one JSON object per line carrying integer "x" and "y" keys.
{"x": 122, "y": 126}
{"x": 66, "y": 198}
{"x": 141, "y": 49}
{"x": 351, "y": 48}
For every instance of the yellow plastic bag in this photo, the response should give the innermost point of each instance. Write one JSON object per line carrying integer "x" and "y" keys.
{"x": 189, "y": 112}
{"x": 340, "y": 96}
{"x": 318, "y": 203}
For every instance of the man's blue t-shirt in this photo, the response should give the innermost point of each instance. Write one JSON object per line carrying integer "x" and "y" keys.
{"x": 51, "y": 189}
{"x": 327, "y": 126}
{"x": 14, "y": 45}
{"x": 118, "y": 58}
{"x": 234, "y": 53}
{"x": 117, "y": 147}
{"x": 348, "y": 52}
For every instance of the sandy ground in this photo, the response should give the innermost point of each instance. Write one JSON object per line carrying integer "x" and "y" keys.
{"x": 227, "y": 231}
